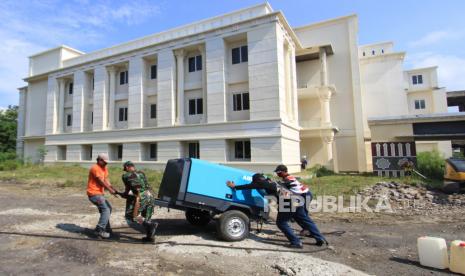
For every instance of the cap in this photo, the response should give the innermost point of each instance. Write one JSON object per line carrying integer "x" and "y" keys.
{"x": 281, "y": 168}
{"x": 128, "y": 164}
{"x": 103, "y": 156}
{"x": 258, "y": 177}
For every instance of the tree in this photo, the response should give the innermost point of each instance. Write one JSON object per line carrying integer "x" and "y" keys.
{"x": 8, "y": 126}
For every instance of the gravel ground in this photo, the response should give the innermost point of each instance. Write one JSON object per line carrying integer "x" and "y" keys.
{"x": 46, "y": 231}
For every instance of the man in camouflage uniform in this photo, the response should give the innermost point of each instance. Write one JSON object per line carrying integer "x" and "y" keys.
{"x": 139, "y": 200}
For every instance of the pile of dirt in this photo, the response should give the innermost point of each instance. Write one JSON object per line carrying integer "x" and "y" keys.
{"x": 416, "y": 198}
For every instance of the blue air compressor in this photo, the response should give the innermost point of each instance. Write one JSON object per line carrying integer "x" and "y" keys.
{"x": 199, "y": 188}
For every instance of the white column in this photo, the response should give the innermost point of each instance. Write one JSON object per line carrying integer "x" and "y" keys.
{"x": 21, "y": 122}
{"x": 328, "y": 139}
{"x": 79, "y": 101}
{"x": 323, "y": 68}
{"x": 201, "y": 48}
{"x": 295, "y": 100}
{"x": 100, "y": 102}
{"x": 166, "y": 105}
{"x": 51, "y": 117}
{"x": 215, "y": 58}
{"x": 61, "y": 105}
{"x": 180, "y": 86}
{"x": 136, "y": 106}
{"x": 111, "y": 103}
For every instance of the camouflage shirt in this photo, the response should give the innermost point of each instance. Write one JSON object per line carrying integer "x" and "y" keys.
{"x": 137, "y": 183}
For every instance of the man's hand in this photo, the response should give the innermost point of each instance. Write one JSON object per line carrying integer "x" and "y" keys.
{"x": 230, "y": 184}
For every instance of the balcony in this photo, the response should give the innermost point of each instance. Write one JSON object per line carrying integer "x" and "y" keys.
{"x": 305, "y": 91}
{"x": 313, "y": 128}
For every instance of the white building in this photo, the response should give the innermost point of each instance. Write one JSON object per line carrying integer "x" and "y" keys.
{"x": 243, "y": 89}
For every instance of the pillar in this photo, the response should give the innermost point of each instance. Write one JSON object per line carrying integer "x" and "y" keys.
{"x": 166, "y": 106}
{"x": 180, "y": 54}
{"x": 100, "y": 102}
{"x": 61, "y": 105}
{"x": 201, "y": 48}
{"x": 215, "y": 79}
{"x": 79, "y": 101}
{"x": 111, "y": 102}
{"x": 136, "y": 106}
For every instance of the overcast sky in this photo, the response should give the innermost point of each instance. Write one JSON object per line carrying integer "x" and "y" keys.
{"x": 431, "y": 32}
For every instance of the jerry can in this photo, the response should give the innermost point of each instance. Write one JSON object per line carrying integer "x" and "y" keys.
{"x": 457, "y": 257}
{"x": 433, "y": 252}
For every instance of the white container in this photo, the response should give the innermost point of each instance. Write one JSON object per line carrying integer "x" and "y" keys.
{"x": 433, "y": 252}
{"x": 457, "y": 257}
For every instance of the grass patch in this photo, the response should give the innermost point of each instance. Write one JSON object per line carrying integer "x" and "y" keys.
{"x": 341, "y": 184}
{"x": 70, "y": 176}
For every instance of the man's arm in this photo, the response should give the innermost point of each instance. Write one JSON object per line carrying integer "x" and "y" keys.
{"x": 246, "y": 186}
{"x": 105, "y": 183}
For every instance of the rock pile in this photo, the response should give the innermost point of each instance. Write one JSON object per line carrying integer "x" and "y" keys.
{"x": 414, "y": 197}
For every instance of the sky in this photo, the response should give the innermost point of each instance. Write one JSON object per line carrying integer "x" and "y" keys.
{"x": 431, "y": 32}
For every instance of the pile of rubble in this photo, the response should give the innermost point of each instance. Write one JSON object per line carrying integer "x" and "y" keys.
{"x": 414, "y": 197}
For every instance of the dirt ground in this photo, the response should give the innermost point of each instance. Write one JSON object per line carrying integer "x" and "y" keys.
{"x": 46, "y": 231}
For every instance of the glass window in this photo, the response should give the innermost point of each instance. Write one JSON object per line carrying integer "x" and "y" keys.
{"x": 236, "y": 56}
{"x": 373, "y": 52}
{"x": 92, "y": 118}
{"x": 420, "y": 79}
{"x": 153, "y": 151}
{"x": 198, "y": 63}
{"x": 417, "y": 79}
{"x": 69, "y": 120}
{"x": 120, "y": 152}
{"x": 242, "y": 150}
{"x": 153, "y": 111}
{"x": 194, "y": 150}
{"x": 420, "y": 104}
{"x": 123, "y": 114}
{"x": 195, "y": 106}
{"x": 153, "y": 72}
{"x": 123, "y": 77}
{"x": 191, "y": 64}
{"x": 244, "y": 54}
{"x": 70, "y": 88}
{"x": 241, "y": 101}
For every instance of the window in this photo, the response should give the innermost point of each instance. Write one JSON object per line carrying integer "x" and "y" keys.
{"x": 420, "y": 104}
{"x": 240, "y": 54}
{"x": 153, "y": 72}
{"x": 195, "y": 63}
{"x": 93, "y": 83}
{"x": 417, "y": 79}
{"x": 373, "y": 52}
{"x": 70, "y": 88}
{"x": 123, "y": 114}
{"x": 153, "y": 111}
{"x": 123, "y": 77}
{"x": 120, "y": 152}
{"x": 153, "y": 151}
{"x": 90, "y": 152}
{"x": 241, "y": 101}
{"x": 92, "y": 118}
{"x": 194, "y": 151}
{"x": 363, "y": 53}
{"x": 195, "y": 106}
{"x": 69, "y": 120}
{"x": 242, "y": 150}
{"x": 382, "y": 51}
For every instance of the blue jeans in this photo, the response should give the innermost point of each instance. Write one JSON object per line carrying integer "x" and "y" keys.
{"x": 301, "y": 217}
{"x": 104, "y": 208}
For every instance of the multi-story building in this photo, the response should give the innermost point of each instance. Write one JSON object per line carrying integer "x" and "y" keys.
{"x": 243, "y": 89}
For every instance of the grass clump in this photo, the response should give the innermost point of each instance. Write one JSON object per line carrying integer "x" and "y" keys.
{"x": 431, "y": 164}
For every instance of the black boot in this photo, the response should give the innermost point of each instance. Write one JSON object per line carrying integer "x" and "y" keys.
{"x": 150, "y": 229}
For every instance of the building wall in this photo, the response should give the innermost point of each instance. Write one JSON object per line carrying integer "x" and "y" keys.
{"x": 35, "y": 108}
{"x": 443, "y": 147}
{"x": 30, "y": 149}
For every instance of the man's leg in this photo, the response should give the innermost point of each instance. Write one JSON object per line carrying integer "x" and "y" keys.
{"x": 104, "y": 210}
{"x": 108, "y": 227}
{"x": 302, "y": 218}
{"x": 282, "y": 221}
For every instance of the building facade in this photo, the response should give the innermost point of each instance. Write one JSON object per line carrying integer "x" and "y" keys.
{"x": 243, "y": 89}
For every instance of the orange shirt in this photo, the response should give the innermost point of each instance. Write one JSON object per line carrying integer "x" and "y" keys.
{"x": 93, "y": 186}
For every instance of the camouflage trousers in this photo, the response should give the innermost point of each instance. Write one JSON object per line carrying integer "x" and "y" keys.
{"x": 147, "y": 204}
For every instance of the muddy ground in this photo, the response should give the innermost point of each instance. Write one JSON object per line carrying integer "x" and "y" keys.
{"x": 46, "y": 231}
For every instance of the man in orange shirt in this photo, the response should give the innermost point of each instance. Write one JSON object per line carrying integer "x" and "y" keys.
{"x": 96, "y": 184}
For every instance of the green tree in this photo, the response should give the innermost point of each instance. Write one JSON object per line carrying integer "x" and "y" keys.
{"x": 8, "y": 126}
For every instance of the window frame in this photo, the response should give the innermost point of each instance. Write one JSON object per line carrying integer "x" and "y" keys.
{"x": 153, "y": 148}
{"x": 122, "y": 114}
{"x": 119, "y": 152}
{"x": 195, "y": 106}
{"x": 242, "y": 150}
{"x": 420, "y": 104}
{"x": 240, "y": 54}
{"x": 153, "y": 111}
{"x": 123, "y": 77}
{"x": 195, "y": 149}
{"x": 417, "y": 79}
{"x": 194, "y": 63}
{"x": 69, "y": 120}
{"x": 241, "y": 101}
{"x": 70, "y": 88}
{"x": 153, "y": 72}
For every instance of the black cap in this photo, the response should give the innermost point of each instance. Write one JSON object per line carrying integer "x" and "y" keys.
{"x": 281, "y": 168}
{"x": 128, "y": 164}
{"x": 258, "y": 177}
